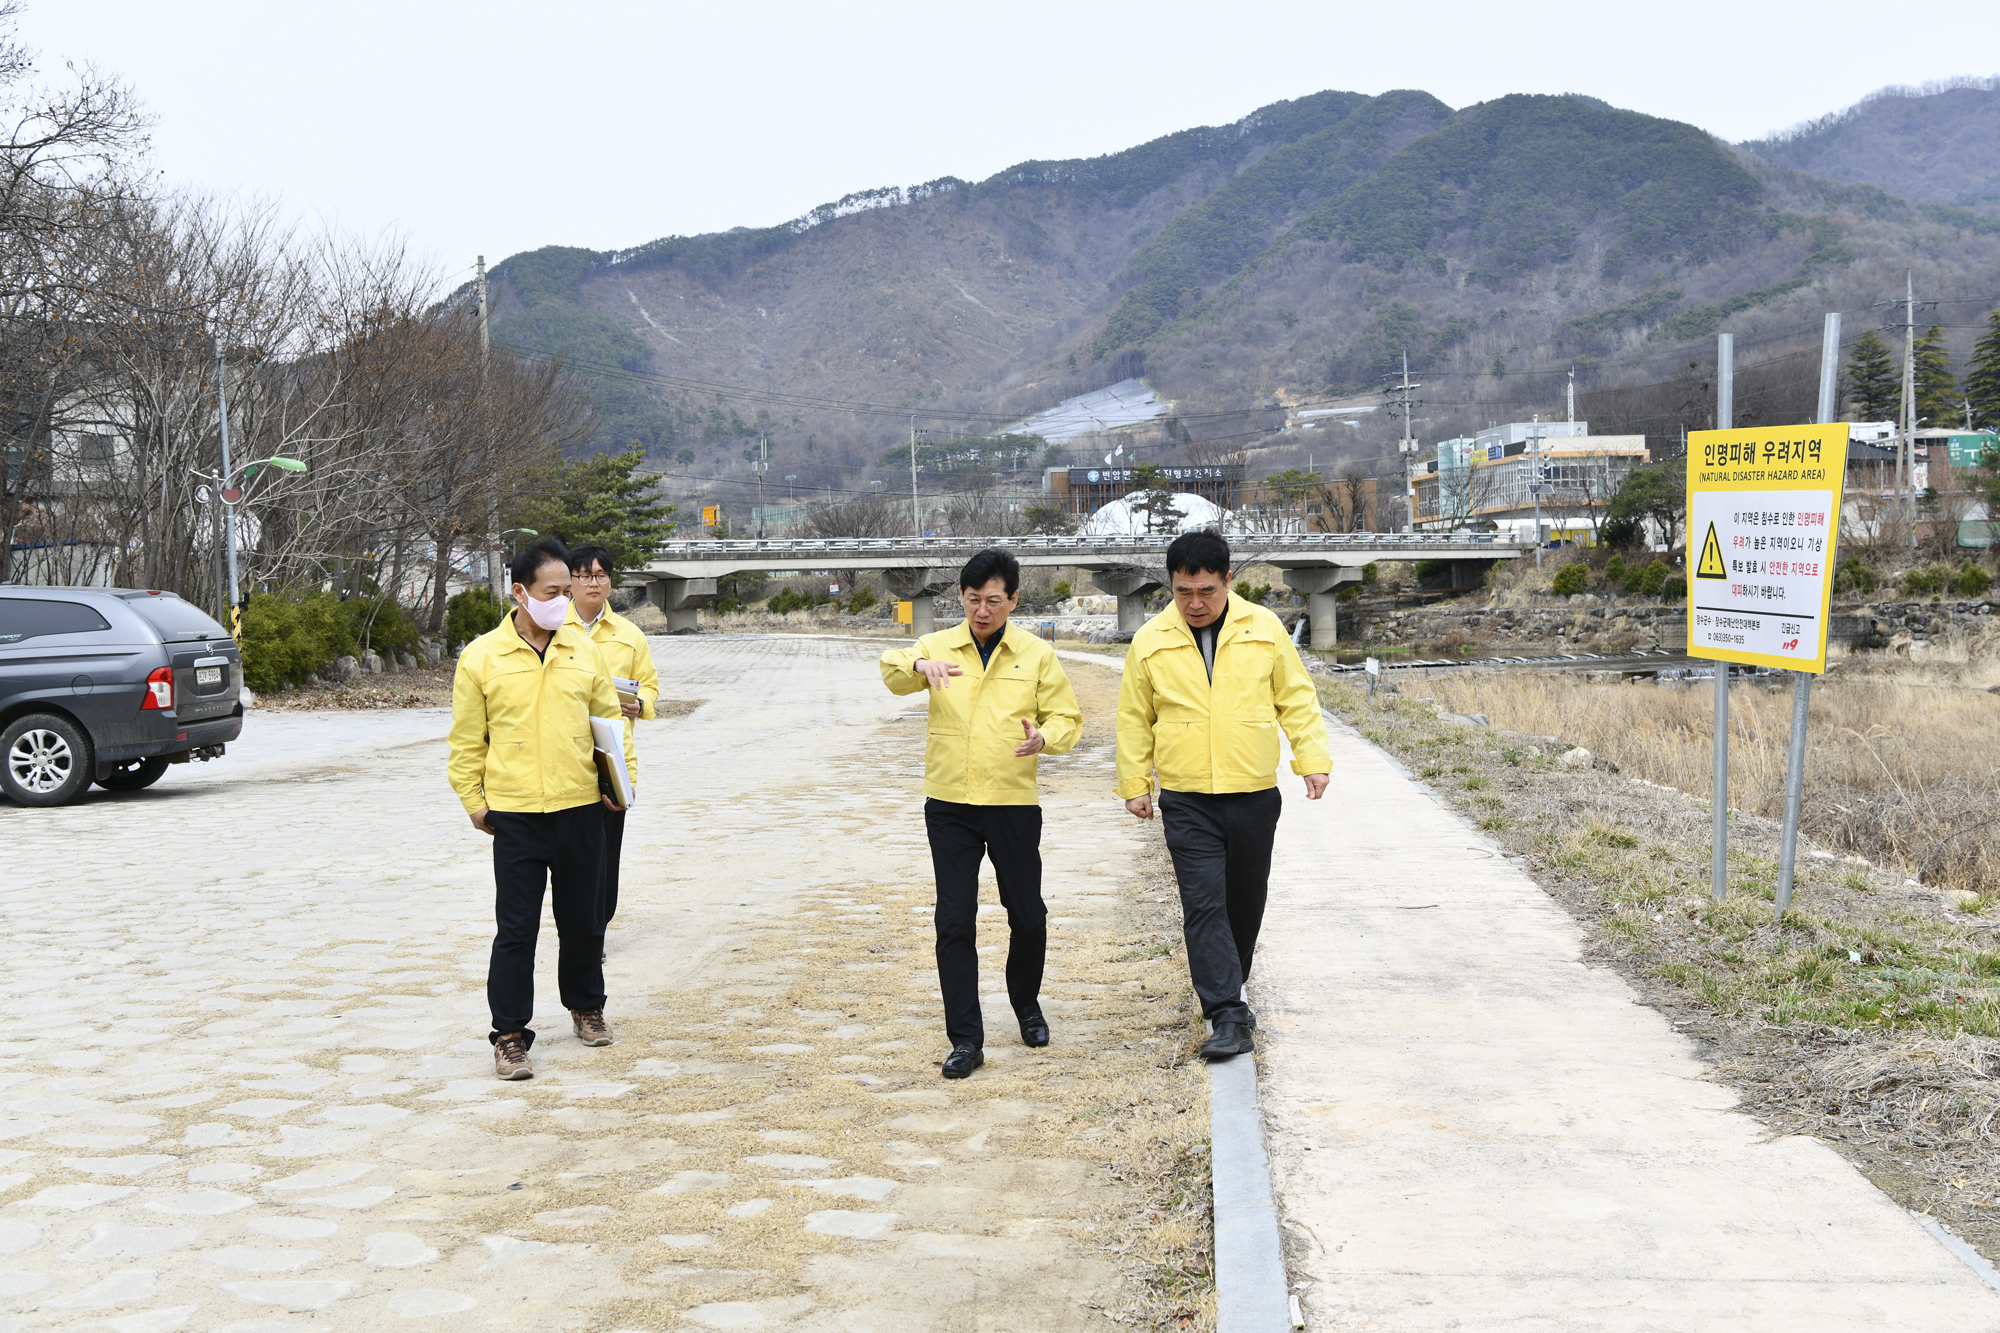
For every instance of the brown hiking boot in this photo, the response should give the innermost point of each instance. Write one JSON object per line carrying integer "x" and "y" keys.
{"x": 591, "y": 1029}
{"x": 510, "y": 1056}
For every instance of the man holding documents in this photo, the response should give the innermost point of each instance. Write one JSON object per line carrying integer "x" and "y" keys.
{"x": 623, "y": 647}
{"x": 523, "y": 764}
{"x": 997, "y": 700}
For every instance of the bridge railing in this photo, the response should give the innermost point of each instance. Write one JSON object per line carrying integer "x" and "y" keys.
{"x": 1262, "y": 543}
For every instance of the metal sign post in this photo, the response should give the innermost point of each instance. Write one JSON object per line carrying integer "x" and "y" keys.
{"x": 1764, "y": 515}
{"x": 1795, "y": 763}
{"x": 1718, "y": 795}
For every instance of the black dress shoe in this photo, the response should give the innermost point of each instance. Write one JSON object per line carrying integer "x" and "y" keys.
{"x": 1034, "y": 1030}
{"x": 962, "y": 1061}
{"x": 1228, "y": 1039}
{"x": 1251, "y": 1021}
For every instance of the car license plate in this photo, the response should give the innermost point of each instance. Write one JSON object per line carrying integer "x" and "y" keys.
{"x": 208, "y": 675}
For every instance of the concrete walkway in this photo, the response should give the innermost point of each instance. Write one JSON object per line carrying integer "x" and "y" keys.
{"x": 1470, "y": 1128}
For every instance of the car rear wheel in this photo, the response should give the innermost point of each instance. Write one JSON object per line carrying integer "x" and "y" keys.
{"x": 133, "y": 774}
{"x": 45, "y": 760}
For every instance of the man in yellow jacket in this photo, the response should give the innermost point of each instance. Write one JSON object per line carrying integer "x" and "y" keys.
{"x": 1011, "y": 703}
{"x": 522, "y": 764}
{"x": 1208, "y": 682}
{"x": 623, "y": 647}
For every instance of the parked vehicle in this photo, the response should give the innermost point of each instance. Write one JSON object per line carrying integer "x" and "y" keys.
{"x": 109, "y": 685}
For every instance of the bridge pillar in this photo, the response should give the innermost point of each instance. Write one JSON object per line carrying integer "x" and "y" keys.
{"x": 679, "y": 599}
{"x": 1320, "y": 584}
{"x": 917, "y": 587}
{"x": 1469, "y": 573}
{"x": 1130, "y": 587}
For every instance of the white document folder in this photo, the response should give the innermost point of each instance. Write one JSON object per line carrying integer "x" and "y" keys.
{"x": 607, "y": 736}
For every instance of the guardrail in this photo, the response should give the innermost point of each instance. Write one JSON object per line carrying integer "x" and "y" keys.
{"x": 1481, "y": 542}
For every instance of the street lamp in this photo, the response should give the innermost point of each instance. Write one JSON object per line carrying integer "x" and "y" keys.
{"x": 498, "y": 539}
{"x": 232, "y": 494}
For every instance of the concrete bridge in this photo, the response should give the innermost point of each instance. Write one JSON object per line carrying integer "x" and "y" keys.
{"x": 682, "y": 577}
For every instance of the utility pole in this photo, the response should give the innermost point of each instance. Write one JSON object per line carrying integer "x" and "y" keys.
{"x": 761, "y": 466}
{"x": 1906, "y": 457}
{"x": 1906, "y": 425}
{"x": 916, "y": 518}
{"x": 1404, "y": 404}
{"x": 1535, "y": 483}
{"x": 228, "y": 478}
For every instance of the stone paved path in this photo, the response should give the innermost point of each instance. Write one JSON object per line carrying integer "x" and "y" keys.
{"x": 1470, "y": 1128}
{"x": 244, "y": 1083}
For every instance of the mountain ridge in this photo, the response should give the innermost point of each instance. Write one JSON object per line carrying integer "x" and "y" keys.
{"x": 1934, "y": 144}
{"x": 1296, "y": 252}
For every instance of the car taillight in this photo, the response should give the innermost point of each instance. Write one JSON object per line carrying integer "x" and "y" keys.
{"x": 159, "y": 689}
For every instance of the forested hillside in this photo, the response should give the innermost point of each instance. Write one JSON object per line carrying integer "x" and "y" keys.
{"x": 1934, "y": 145}
{"x": 1296, "y": 255}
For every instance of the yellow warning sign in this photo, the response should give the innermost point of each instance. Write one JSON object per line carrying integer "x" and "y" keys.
{"x": 708, "y": 513}
{"x": 1711, "y": 558}
{"x": 1767, "y": 501}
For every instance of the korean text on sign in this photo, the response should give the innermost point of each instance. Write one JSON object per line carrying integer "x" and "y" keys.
{"x": 1763, "y": 515}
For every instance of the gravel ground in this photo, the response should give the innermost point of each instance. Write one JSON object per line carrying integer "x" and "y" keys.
{"x": 247, "y": 1084}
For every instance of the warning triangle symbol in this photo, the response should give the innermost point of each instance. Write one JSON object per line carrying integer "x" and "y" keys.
{"x": 1711, "y": 566}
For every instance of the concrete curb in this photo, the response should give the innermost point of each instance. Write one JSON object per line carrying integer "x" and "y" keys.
{"x": 1252, "y": 1294}
{"x": 1961, "y": 1251}
{"x": 1250, "y": 1284}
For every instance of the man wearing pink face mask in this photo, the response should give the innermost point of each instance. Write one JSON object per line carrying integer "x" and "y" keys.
{"x": 522, "y": 765}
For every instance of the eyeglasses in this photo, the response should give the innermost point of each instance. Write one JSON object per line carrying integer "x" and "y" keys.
{"x": 590, "y": 578}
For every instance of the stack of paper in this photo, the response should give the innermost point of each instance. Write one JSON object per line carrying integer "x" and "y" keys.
{"x": 607, "y": 735}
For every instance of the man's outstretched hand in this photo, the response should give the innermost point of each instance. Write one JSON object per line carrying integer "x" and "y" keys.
{"x": 1035, "y": 742}
{"x": 1142, "y": 806}
{"x": 937, "y": 673}
{"x": 1315, "y": 786}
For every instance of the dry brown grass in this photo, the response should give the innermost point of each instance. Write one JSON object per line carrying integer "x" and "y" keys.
{"x": 1901, "y": 763}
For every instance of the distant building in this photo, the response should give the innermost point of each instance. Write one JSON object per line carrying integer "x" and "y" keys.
{"x": 1085, "y": 490}
{"x": 1487, "y": 482}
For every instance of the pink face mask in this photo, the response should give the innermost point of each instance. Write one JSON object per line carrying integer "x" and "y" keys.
{"x": 549, "y": 615}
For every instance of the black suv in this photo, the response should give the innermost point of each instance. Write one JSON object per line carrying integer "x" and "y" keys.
{"x": 109, "y": 685}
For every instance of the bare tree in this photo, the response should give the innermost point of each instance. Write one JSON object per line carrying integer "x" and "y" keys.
{"x": 873, "y": 515}
{"x": 1584, "y": 485}
{"x": 63, "y": 148}
{"x": 1355, "y": 486}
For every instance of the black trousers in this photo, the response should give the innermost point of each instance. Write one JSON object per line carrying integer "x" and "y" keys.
{"x": 614, "y": 842}
{"x": 1221, "y": 845}
{"x": 1011, "y": 835}
{"x": 563, "y": 851}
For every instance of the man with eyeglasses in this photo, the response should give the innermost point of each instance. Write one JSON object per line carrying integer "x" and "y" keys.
{"x": 623, "y": 647}
{"x": 981, "y": 802}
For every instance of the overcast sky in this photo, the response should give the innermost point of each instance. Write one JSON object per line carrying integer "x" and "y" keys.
{"x": 500, "y": 127}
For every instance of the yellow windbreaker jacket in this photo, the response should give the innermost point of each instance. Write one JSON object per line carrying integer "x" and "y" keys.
{"x": 1219, "y": 737}
{"x": 975, "y": 725}
{"x": 520, "y": 729}
{"x": 622, "y": 645}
